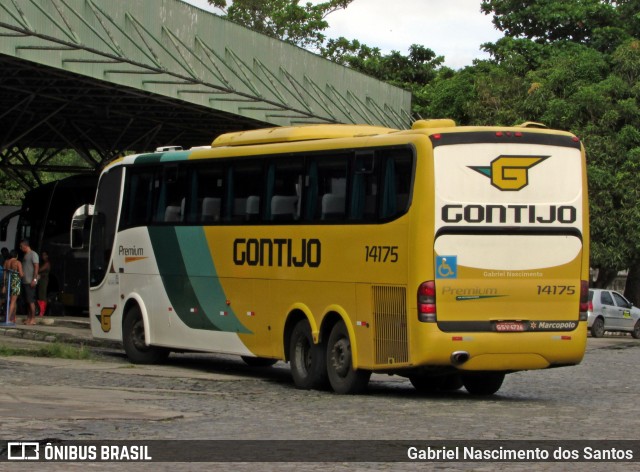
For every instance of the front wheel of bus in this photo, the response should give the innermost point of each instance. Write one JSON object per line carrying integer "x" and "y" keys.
{"x": 308, "y": 364}
{"x": 343, "y": 377}
{"x": 486, "y": 383}
{"x": 133, "y": 340}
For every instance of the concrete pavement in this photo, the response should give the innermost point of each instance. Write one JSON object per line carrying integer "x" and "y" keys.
{"x": 66, "y": 329}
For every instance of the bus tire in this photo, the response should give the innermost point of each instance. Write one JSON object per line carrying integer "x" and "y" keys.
{"x": 259, "y": 361}
{"x": 636, "y": 330}
{"x": 485, "y": 383}
{"x": 133, "y": 340}
{"x": 308, "y": 361}
{"x": 344, "y": 379}
{"x": 597, "y": 328}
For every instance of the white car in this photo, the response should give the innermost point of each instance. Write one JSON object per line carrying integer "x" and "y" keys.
{"x": 610, "y": 311}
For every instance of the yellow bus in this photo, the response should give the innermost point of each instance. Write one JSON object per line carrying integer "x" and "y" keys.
{"x": 448, "y": 255}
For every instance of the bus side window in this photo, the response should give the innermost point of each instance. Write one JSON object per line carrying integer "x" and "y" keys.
{"x": 138, "y": 197}
{"x": 396, "y": 171}
{"x": 364, "y": 188}
{"x": 170, "y": 195}
{"x": 326, "y": 193}
{"x": 284, "y": 189}
{"x": 206, "y": 194}
{"x": 244, "y": 192}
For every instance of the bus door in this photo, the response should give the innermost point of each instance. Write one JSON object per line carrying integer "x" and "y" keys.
{"x": 508, "y": 243}
{"x": 105, "y": 310}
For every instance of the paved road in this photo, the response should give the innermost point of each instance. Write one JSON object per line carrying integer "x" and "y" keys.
{"x": 218, "y": 397}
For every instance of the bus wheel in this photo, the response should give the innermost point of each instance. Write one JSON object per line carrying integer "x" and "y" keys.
{"x": 451, "y": 383}
{"x": 486, "y": 383}
{"x": 344, "y": 379}
{"x": 597, "y": 328}
{"x": 133, "y": 340}
{"x": 308, "y": 364}
{"x": 636, "y": 330}
{"x": 259, "y": 361}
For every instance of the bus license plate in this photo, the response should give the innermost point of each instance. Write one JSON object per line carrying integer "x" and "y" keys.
{"x": 510, "y": 326}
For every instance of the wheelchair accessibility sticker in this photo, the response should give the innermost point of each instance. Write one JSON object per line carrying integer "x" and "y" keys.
{"x": 446, "y": 267}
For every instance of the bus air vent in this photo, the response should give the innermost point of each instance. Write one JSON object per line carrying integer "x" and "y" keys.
{"x": 390, "y": 322}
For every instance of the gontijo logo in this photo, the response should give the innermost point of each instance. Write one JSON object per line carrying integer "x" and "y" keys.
{"x": 509, "y": 173}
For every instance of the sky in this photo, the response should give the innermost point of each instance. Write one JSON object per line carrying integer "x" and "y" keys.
{"x": 451, "y": 28}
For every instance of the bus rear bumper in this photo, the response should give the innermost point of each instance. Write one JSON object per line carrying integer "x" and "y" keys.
{"x": 501, "y": 351}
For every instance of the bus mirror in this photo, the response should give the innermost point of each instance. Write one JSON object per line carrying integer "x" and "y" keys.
{"x": 78, "y": 225}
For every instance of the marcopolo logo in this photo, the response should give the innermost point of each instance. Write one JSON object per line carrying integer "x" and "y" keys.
{"x": 509, "y": 173}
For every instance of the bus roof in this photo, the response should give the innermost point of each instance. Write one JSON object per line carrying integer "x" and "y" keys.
{"x": 298, "y": 133}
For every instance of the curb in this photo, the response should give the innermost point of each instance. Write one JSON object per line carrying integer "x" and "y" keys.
{"x": 51, "y": 337}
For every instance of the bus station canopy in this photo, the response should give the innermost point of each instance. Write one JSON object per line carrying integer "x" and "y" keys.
{"x": 104, "y": 78}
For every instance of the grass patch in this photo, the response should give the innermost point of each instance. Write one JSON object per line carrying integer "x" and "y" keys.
{"x": 55, "y": 350}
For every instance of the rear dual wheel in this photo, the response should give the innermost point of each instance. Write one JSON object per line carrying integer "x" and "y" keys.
{"x": 344, "y": 379}
{"x": 315, "y": 366}
{"x": 308, "y": 360}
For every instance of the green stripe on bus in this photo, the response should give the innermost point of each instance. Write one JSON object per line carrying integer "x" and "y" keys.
{"x": 190, "y": 279}
{"x": 155, "y": 157}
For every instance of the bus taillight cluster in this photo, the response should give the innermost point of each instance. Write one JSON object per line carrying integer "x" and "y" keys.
{"x": 427, "y": 302}
{"x": 584, "y": 300}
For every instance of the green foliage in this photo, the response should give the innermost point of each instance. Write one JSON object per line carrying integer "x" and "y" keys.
{"x": 547, "y": 21}
{"x": 412, "y": 71}
{"x": 14, "y": 183}
{"x": 284, "y": 19}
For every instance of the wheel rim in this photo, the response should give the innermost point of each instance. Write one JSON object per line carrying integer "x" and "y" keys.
{"x": 341, "y": 357}
{"x": 137, "y": 336}
{"x": 303, "y": 354}
{"x": 599, "y": 327}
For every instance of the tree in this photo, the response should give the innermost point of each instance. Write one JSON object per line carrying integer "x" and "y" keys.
{"x": 284, "y": 19}
{"x": 547, "y": 21}
{"x": 411, "y": 72}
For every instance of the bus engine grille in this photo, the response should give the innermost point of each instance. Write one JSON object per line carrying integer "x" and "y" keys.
{"x": 390, "y": 322}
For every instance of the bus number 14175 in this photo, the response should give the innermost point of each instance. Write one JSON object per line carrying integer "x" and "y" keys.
{"x": 381, "y": 254}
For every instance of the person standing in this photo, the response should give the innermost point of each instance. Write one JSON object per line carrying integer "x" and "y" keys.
{"x": 12, "y": 276}
{"x": 30, "y": 266}
{"x": 43, "y": 282}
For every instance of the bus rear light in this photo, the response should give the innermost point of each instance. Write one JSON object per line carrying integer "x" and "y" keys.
{"x": 584, "y": 300}
{"x": 427, "y": 302}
